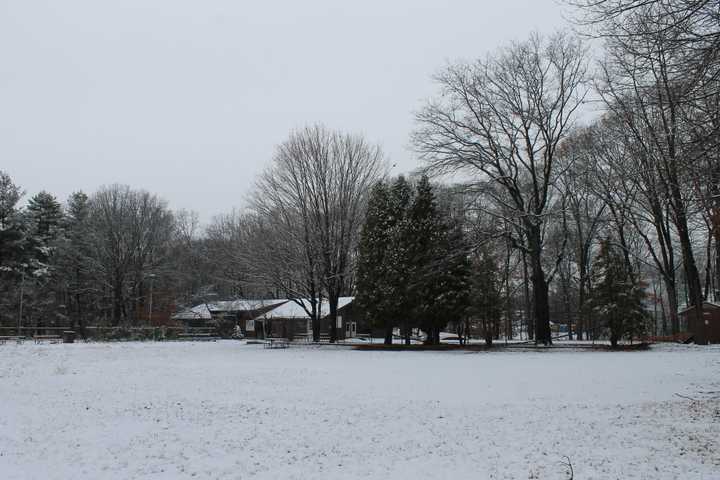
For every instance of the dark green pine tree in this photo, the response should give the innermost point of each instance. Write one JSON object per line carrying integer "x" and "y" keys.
{"x": 617, "y": 297}
{"x": 45, "y": 215}
{"x": 372, "y": 268}
{"x": 450, "y": 273}
{"x": 438, "y": 264}
{"x": 74, "y": 258}
{"x": 398, "y": 275}
{"x": 422, "y": 244}
{"x": 486, "y": 294}
{"x": 381, "y": 284}
{"x": 14, "y": 251}
{"x": 12, "y": 229}
{"x": 421, "y": 238}
{"x": 413, "y": 268}
{"x": 42, "y": 289}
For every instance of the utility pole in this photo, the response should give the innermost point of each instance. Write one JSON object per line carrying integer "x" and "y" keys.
{"x": 152, "y": 280}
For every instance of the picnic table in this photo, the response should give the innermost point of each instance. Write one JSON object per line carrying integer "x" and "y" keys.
{"x": 277, "y": 343}
{"x": 303, "y": 336}
{"x": 12, "y": 338}
{"x": 47, "y": 338}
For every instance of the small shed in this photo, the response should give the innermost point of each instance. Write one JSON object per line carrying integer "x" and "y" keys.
{"x": 707, "y": 330}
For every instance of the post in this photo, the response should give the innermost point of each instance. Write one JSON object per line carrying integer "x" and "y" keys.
{"x": 152, "y": 279}
{"x": 20, "y": 309}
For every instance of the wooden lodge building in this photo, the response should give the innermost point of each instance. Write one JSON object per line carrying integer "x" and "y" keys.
{"x": 275, "y": 317}
{"x": 232, "y": 311}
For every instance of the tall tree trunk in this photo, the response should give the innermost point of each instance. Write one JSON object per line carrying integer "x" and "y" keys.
{"x": 671, "y": 288}
{"x": 388, "y": 332}
{"x": 692, "y": 276}
{"x": 716, "y": 290}
{"x": 79, "y": 315}
{"x": 117, "y": 300}
{"x": 541, "y": 306}
{"x": 564, "y": 278}
{"x": 582, "y": 313}
{"x": 528, "y": 314}
{"x": 315, "y": 318}
{"x": 541, "y": 303}
{"x": 333, "y": 303}
{"x": 508, "y": 303}
{"x": 316, "y": 329}
{"x": 487, "y": 327}
{"x": 708, "y": 266}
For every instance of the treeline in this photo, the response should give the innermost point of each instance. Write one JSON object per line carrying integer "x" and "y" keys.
{"x": 92, "y": 260}
{"x": 121, "y": 257}
{"x": 607, "y": 227}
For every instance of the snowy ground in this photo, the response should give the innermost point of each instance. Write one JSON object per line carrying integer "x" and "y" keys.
{"x": 229, "y": 410}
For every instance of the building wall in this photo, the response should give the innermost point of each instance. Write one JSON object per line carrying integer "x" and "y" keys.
{"x": 709, "y": 330}
{"x": 226, "y": 320}
{"x": 349, "y": 313}
{"x": 293, "y": 327}
{"x": 290, "y": 328}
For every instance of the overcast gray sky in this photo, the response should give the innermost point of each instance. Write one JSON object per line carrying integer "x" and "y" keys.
{"x": 188, "y": 99}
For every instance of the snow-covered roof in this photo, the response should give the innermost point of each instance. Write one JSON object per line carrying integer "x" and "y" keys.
{"x": 198, "y": 312}
{"x": 242, "y": 305}
{"x": 292, "y": 309}
{"x": 202, "y": 311}
{"x": 284, "y": 308}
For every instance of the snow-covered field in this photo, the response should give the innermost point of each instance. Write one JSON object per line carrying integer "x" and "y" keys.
{"x": 235, "y": 411}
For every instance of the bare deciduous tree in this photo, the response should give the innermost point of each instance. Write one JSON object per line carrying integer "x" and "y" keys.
{"x": 645, "y": 90}
{"x": 312, "y": 199}
{"x": 585, "y": 214}
{"x": 502, "y": 119}
{"x": 130, "y": 232}
{"x": 693, "y": 24}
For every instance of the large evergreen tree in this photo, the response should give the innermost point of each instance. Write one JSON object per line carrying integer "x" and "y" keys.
{"x": 12, "y": 228}
{"x": 382, "y": 276}
{"x": 617, "y": 297}
{"x": 372, "y": 280}
{"x": 46, "y": 215}
{"x": 437, "y": 262}
{"x": 451, "y": 272}
{"x": 41, "y": 286}
{"x": 413, "y": 268}
{"x": 74, "y": 260}
{"x": 13, "y": 248}
{"x": 420, "y": 238}
{"x": 398, "y": 275}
